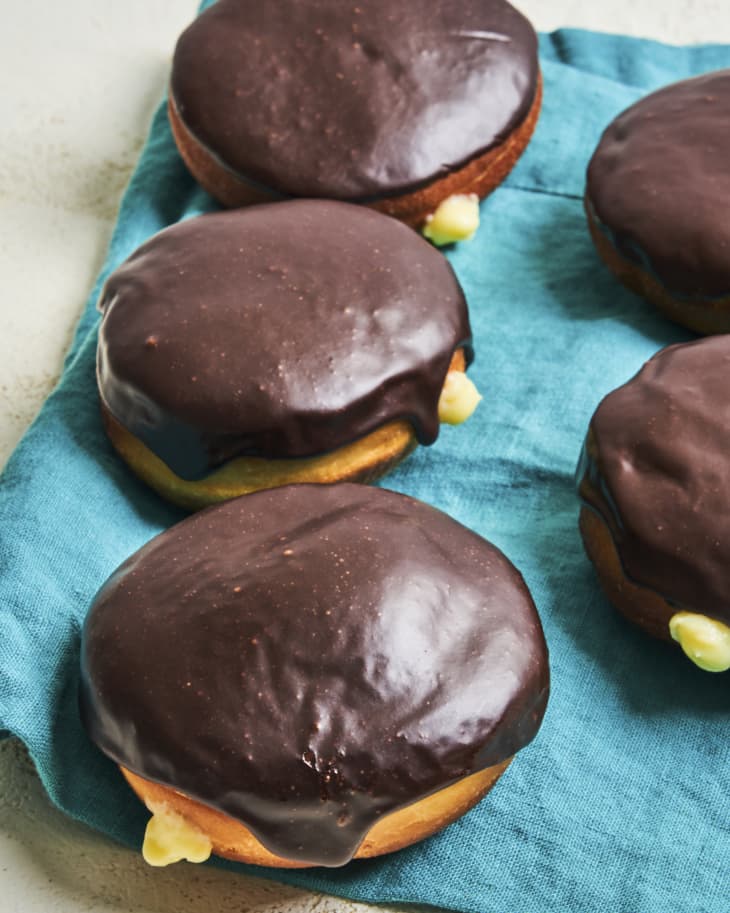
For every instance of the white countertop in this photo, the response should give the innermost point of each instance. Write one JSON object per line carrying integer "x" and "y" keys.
{"x": 80, "y": 79}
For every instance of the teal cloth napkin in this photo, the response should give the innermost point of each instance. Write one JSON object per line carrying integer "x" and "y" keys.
{"x": 621, "y": 803}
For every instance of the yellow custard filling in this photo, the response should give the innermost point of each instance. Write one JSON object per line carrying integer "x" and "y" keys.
{"x": 704, "y": 640}
{"x": 459, "y": 398}
{"x": 170, "y": 838}
{"x": 456, "y": 219}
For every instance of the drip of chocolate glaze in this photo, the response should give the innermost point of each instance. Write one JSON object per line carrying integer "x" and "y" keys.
{"x": 655, "y": 467}
{"x": 357, "y": 100}
{"x": 659, "y": 184}
{"x": 277, "y": 331}
{"x": 309, "y": 658}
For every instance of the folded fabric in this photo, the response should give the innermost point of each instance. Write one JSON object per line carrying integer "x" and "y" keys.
{"x": 621, "y": 803}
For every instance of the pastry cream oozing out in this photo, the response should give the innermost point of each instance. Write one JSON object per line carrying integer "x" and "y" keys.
{"x": 705, "y": 640}
{"x": 459, "y": 398}
{"x": 170, "y": 838}
{"x": 456, "y": 219}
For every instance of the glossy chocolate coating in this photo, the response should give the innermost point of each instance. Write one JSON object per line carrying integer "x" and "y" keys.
{"x": 659, "y": 185}
{"x": 309, "y": 658}
{"x": 353, "y": 101}
{"x": 659, "y": 473}
{"x": 278, "y": 331}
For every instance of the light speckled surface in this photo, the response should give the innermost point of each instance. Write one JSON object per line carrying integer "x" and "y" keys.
{"x": 80, "y": 80}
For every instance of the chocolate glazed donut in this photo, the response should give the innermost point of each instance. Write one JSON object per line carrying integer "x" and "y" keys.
{"x": 312, "y": 673}
{"x": 653, "y": 479}
{"x": 657, "y": 195}
{"x": 398, "y": 104}
{"x": 308, "y": 341}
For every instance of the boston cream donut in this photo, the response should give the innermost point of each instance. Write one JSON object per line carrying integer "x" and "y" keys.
{"x": 307, "y": 341}
{"x": 657, "y": 198}
{"x": 654, "y": 484}
{"x": 310, "y": 674}
{"x": 399, "y": 104}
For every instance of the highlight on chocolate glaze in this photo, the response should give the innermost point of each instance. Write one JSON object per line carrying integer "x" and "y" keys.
{"x": 311, "y": 673}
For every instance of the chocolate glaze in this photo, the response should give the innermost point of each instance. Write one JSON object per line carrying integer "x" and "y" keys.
{"x": 659, "y": 185}
{"x": 656, "y": 468}
{"x": 309, "y": 658}
{"x": 353, "y": 101}
{"x": 285, "y": 330}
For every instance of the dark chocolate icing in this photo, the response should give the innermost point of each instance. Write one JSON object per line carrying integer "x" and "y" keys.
{"x": 353, "y": 100}
{"x": 659, "y": 184}
{"x": 285, "y": 330}
{"x": 658, "y": 472}
{"x": 309, "y": 658}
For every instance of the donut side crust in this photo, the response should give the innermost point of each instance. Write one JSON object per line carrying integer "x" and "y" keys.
{"x": 364, "y": 460}
{"x": 703, "y": 315}
{"x": 638, "y": 604}
{"x": 231, "y": 839}
{"x": 480, "y": 176}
